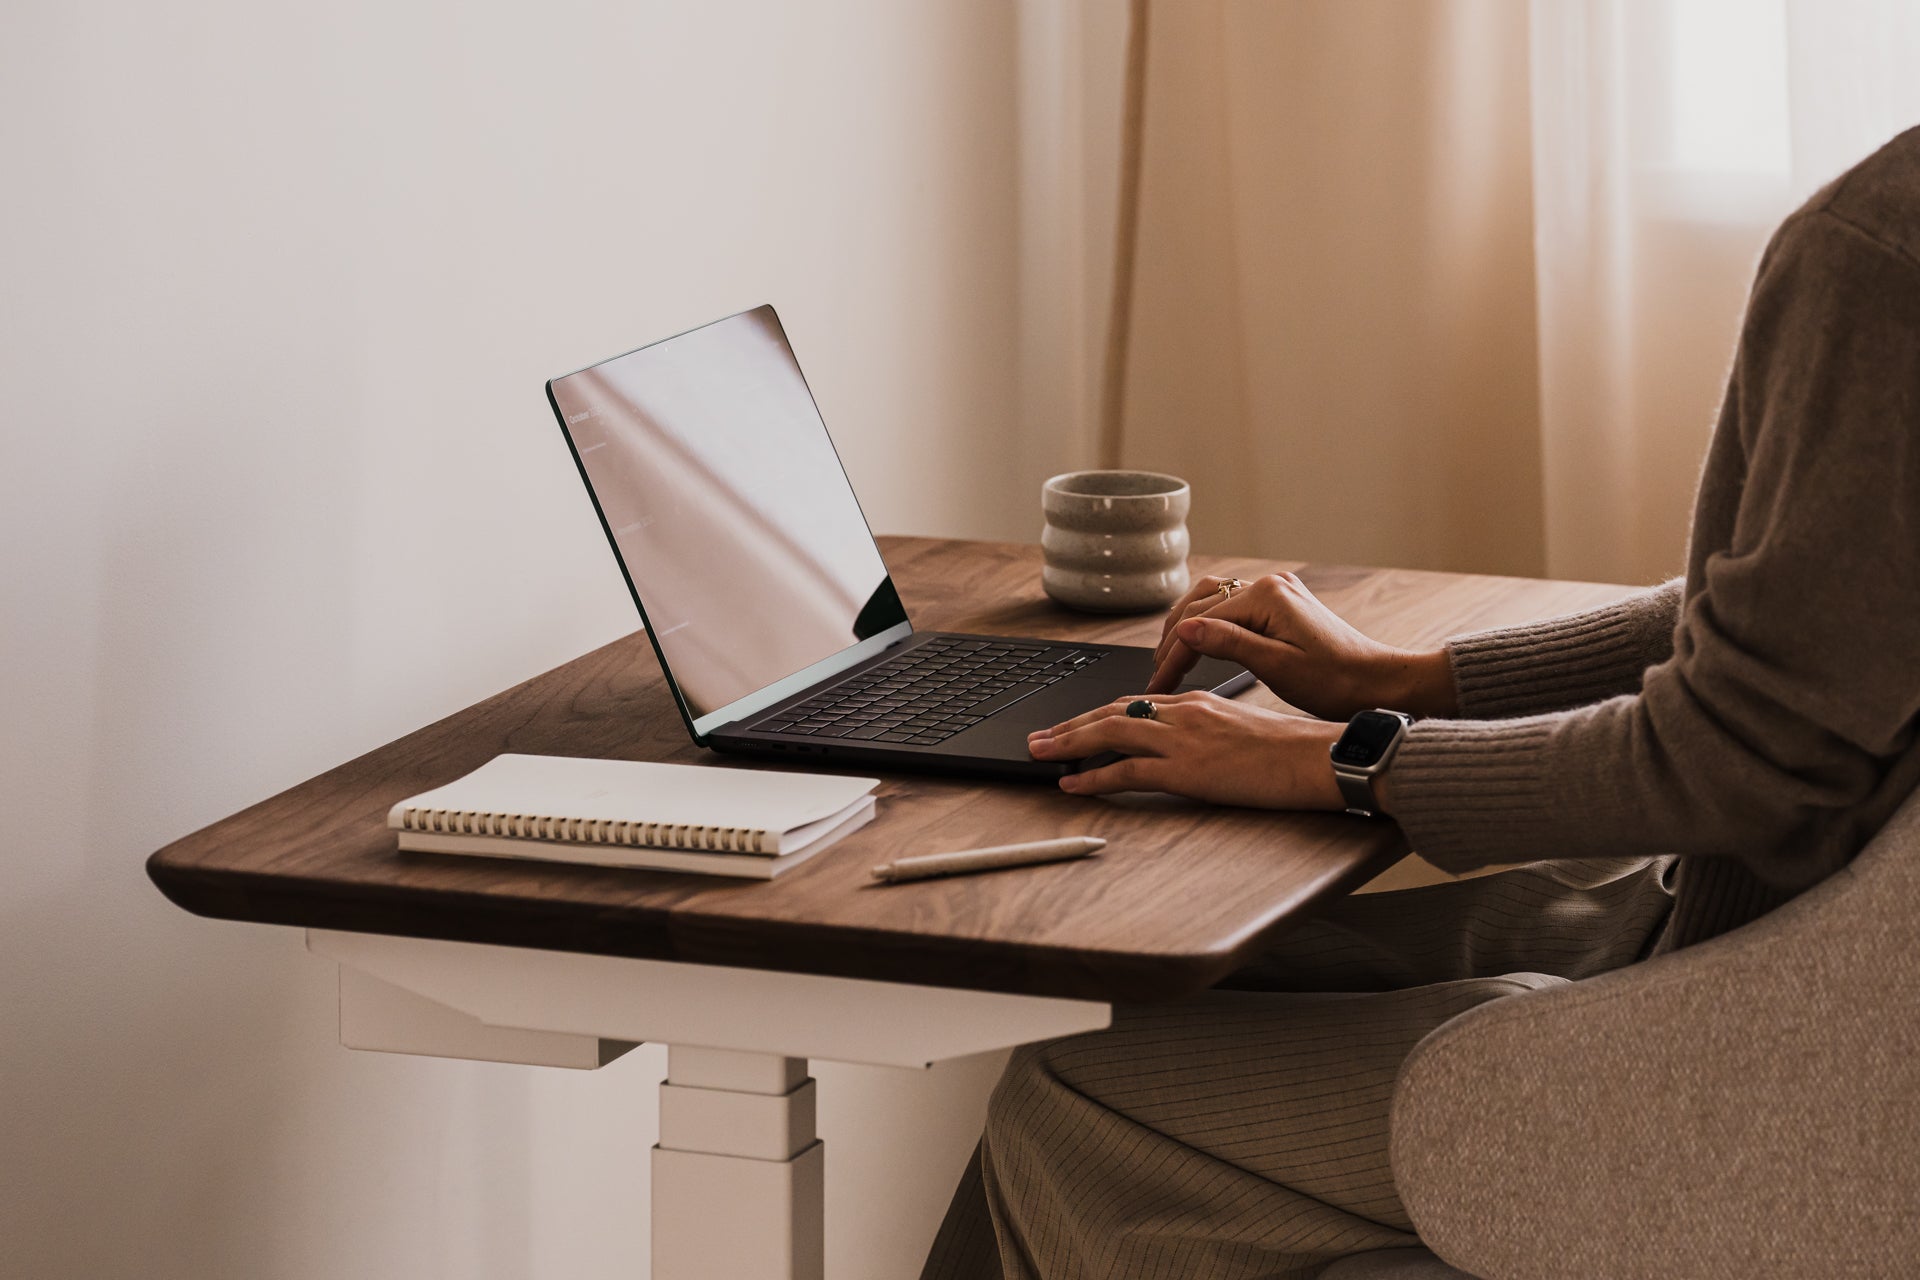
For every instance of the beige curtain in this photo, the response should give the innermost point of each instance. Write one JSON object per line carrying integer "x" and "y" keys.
{"x": 1333, "y": 329}
{"x": 1670, "y": 137}
{"x": 1454, "y": 283}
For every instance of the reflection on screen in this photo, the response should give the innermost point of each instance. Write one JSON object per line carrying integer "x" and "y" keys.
{"x": 728, "y": 507}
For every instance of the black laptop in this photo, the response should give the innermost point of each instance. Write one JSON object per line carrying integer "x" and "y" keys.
{"x": 776, "y": 623}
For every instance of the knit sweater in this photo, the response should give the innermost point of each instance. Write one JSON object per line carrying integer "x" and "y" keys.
{"x": 1759, "y": 717}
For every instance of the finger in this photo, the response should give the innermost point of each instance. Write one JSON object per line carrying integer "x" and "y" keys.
{"x": 1174, "y": 615}
{"x": 1133, "y": 735}
{"x": 1243, "y": 606}
{"x": 1252, "y": 606}
{"x": 1217, "y": 600}
{"x": 1171, "y": 638}
{"x": 1207, "y": 593}
{"x": 1172, "y": 668}
{"x": 1201, "y": 589}
{"x": 1175, "y": 658}
{"x": 1135, "y": 773}
{"x": 1116, "y": 708}
{"x": 1220, "y": 638}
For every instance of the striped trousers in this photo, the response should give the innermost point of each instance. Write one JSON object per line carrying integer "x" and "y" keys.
{"x": 1243, "y": 1133}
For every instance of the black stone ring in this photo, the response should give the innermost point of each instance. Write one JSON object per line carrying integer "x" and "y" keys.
{"x": 1142, "y": 709}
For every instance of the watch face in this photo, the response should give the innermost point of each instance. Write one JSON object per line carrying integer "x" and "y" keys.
{"x": 1367, "y": 738}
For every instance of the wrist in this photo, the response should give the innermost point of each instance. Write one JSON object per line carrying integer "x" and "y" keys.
{"x": 1418, "y": 682}
{"x": 1383, "y": 793}
{"x": 1361, "y": 756}
{"x": 1321, "y": 791}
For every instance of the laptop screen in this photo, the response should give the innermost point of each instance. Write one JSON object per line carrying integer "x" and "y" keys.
{"x": 730, "y": 514}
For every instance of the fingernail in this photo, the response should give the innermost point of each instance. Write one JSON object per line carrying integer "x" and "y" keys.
{"x": 1070, "y": 783}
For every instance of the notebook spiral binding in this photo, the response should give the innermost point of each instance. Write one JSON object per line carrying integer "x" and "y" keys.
{"x": 530, "y": 826}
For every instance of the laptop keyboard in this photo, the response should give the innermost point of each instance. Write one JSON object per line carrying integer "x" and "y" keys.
{"x": 932, "y": 691}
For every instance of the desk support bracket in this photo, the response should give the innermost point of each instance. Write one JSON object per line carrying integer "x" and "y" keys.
{"x": 382, "y": 1017}
{"x": 739, "y": 1175}
{"x": 614, "y": 998}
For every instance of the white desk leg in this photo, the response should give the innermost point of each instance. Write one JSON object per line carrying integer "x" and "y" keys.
{"x": 739, "y": 1186}
{"x": 737, "y": 1177}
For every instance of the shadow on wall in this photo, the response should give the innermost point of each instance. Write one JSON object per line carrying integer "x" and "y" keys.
{"x": 177, "y": 1106}
{"x": 283, "y": 309}
{"x": 173, "y": 1084}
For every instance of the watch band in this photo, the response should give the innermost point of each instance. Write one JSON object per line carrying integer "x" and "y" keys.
{"x": 1357, "y": 791}
{"x": 1361, "y": 743}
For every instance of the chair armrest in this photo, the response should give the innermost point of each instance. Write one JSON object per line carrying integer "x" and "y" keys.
{"x": 1746, "y": 1107}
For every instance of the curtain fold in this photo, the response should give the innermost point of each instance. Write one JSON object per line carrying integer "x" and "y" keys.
{"x": 1658, "y": 172}
{"x": 1332, "y": 332}
{"x": 1457, "y": 284}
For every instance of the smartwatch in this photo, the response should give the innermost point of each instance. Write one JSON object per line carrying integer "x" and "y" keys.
{"x": 1363, "y": 753}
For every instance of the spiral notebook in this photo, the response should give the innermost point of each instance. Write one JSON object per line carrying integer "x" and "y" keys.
{"x": 629, "y": 813}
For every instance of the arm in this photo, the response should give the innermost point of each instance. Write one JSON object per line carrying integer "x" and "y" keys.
{"x": 1312, "y": 658}
{"x": 1792, "y": 689}
{"x": 1793, "y": 684}
{"x": 1564, "y": 662}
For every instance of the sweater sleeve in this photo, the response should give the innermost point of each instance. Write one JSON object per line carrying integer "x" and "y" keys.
{"x": 1564, "y": 662}
{"x": 1794, "y": 684}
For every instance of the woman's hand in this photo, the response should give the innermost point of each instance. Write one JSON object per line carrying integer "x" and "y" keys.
{"x": 1204, "y": 746}
{"x": 1300, "y": 649}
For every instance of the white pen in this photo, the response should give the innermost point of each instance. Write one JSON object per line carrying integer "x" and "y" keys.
{"x": 991, "y": 859}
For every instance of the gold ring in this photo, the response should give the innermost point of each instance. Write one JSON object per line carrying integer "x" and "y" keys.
{"x": 1228, "y": 587}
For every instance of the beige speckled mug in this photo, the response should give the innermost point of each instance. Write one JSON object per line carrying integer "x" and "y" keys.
{"x": 1115, "y": 541}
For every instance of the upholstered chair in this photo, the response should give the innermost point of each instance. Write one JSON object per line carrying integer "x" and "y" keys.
{"x": 1746, "y": 1108}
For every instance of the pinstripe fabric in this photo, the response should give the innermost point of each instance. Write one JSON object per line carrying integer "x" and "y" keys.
{"x": 1713, "y": 896}
{"x": 1243, "y": 1133}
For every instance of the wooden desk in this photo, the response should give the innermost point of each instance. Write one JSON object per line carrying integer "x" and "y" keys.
{"x": 526, "y": 962}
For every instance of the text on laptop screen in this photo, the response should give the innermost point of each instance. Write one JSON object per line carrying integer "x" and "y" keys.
{"x": 728, "y": 506}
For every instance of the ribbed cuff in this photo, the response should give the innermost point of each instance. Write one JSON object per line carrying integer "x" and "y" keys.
{"x": 1472, "y": 794}
{"x": 1564, "y": 662}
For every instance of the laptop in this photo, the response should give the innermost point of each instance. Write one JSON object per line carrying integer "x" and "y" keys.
{"x": 760, "y": 585}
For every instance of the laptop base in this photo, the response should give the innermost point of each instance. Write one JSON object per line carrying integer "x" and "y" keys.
{"x": 996, "y": 746}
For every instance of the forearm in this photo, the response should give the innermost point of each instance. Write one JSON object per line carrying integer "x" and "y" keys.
{"x": 1562, "y": 662}
{"x": 1541, "y": 666}
{"x": 1784, "y": 766}
{"x": 1536, "y": 667}
{"x": 1417, "y": 682}
{"x": 1784, "y": 722}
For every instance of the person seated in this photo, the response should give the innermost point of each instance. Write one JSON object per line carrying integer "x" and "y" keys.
{"x": 1663, "y": 770}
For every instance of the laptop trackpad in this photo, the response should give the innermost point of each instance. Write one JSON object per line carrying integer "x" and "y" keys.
{"x": 1132, "y": 666}
{"x": 1006, "y": 733}
{"x": 1122, "y": 673}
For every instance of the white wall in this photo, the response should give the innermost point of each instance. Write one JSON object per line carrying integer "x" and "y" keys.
{"x": 282, "y": 284}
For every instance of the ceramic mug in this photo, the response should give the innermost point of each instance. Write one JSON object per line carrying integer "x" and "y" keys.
{"x": 1115, "y": 541}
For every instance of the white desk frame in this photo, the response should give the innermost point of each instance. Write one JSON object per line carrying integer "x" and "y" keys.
{"x": 737, "y": 1108}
